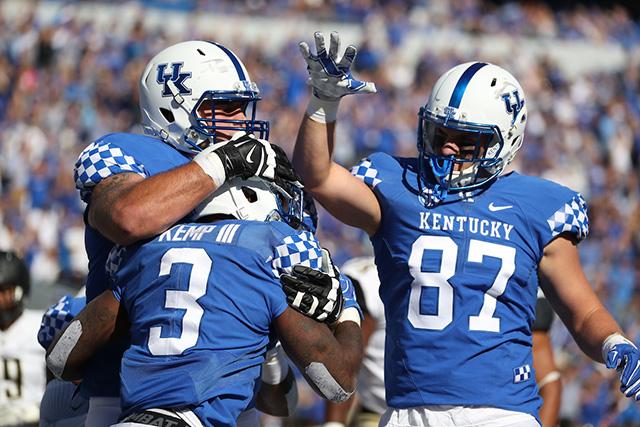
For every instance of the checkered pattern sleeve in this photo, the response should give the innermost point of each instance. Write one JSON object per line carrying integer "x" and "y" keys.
{"x": 367, "y": 172}
{"x": 114, "y": 259}
{"x": 301, "y": 248}
{"x": 57, "y": 317}
{"x": 100, "y": 160}
{"x": 571, "y": 217}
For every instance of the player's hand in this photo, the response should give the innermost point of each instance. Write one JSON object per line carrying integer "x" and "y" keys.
{"x": 329, "y": 76}
{"x": 316, "y": 294}
{"x": 284, "y": 168}
{"x": 244, "y": 156}
{"x": 625, "y": 358}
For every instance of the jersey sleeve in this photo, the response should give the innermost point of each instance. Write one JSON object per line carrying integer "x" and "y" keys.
{"x": 570, "y": 217}
{"x": 57, "y": 317}
{"x": 296, "y": 248}
{"x": 367, "y": 171}
{"x": 550, "y": 209}
{"x": 100, "y": 160}
{"x": 114, "y": 260}
{"x": 561, "y": 212}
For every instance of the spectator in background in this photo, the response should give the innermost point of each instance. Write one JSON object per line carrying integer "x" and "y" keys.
{"x": 22, "y": 377}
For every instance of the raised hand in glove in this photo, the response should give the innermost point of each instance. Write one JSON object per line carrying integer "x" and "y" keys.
{"x": 316, "y": 294}
{"x": 329, "y": 76}
{"x": 622, "y": 355}
{"x": 244, "y": 156}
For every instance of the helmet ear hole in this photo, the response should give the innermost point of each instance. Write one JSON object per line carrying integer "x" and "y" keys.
{"x": 167, "y": 114}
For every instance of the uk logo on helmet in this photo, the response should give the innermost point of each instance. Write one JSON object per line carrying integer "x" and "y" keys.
{"x": 174, "y": 76}
{"x": 513, "y": 108}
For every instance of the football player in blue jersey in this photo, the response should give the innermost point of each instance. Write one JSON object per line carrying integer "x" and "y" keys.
{"x": 204, "y": 302}
{"x": 456, "y": 241}
{"x": 193, "y": 96}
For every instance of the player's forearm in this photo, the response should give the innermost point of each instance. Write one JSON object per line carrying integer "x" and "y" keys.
{"x": 69, "y": 353}
{"x": 591, "y": 330}
{"x": 276, "y": 399}
{"x": 313, "y": 151}
{"x": 350, "y": 351}
{"x": 151, "y": 205}
{"x": 338, "y": 412}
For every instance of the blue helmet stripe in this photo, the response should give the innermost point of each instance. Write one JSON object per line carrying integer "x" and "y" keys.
{"x": 234, "y": 60}
{"x": 463, "y": 82}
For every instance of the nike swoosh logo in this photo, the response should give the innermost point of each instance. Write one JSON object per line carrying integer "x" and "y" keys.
{"x": 494, "y": 208}
{"x": 248, "y": 158}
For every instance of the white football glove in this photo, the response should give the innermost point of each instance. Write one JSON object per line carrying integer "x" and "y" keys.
{"x": 329, "y": 76}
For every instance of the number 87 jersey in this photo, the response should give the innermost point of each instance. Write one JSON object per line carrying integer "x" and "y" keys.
{"x": 459, "y": 284}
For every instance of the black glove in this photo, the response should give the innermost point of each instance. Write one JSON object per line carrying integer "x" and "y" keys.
{"x": 247, "y": 156}
{"x": 284, "y": 168}
{"x": 314, "y": 293}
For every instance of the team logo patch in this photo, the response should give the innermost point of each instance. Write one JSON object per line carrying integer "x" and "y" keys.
{"x": 513, "y": 104}
{"x": 174, "y": 75}
{"x": 521, "y": 374}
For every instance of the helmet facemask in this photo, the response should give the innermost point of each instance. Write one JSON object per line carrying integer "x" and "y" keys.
{"x": 476, "y": 162}
{"x": 211, "y": 112}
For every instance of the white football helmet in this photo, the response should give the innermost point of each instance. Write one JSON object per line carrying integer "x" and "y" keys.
{"x": 178, "y": 80}
{"x": 255, "y": 199}
{"x": 481, "y": 103}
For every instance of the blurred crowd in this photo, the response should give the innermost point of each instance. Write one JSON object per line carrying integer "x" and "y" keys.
{"x": 66, "y": 81}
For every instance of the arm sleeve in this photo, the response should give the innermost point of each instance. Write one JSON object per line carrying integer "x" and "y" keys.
{"x": 100, "y": 160}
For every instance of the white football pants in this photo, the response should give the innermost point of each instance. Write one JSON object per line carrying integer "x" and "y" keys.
{"x": 456, "y": 416}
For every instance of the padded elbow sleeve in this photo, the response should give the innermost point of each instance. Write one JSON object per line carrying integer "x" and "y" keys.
{"x": 324, "y": 381}
{"x": 57, "y": 358}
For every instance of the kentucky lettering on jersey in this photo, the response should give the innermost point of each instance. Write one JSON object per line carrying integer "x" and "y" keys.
{"x": 456, "y": 284}
{"x": 201, "y": 299}
{"x": 484, "y": 227}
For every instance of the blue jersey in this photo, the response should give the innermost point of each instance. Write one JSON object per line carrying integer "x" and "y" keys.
{"x": 456, "y": 282}
{"x": 201, "y": 299}
{"x": 112, "y": 154}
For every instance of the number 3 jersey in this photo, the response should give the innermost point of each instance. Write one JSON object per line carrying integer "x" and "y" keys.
{"x": 201, "y": 299}
{"x": 458, "y": 284}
